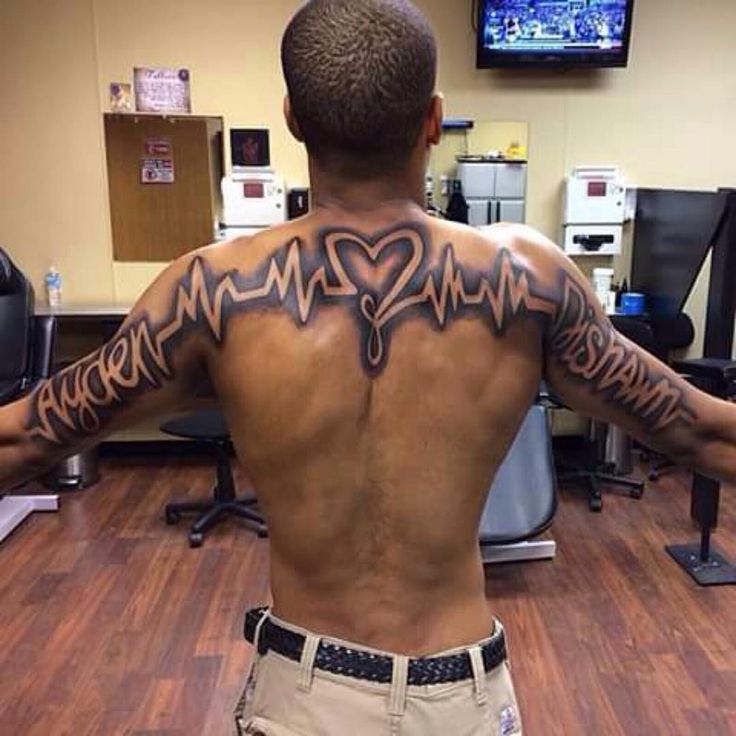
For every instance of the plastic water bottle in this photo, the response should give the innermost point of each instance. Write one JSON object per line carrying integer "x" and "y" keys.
{"x": 53, "y": 287}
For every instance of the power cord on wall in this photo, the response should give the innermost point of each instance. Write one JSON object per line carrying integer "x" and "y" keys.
{"x": 474, "y": 14}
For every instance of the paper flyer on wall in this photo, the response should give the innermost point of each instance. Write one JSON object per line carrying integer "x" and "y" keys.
{"x": 161, "y": 147}
{"x": 157, "y": 171}
{"x": 162, "y": 90}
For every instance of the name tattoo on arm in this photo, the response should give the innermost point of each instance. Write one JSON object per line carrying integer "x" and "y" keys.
{"x": 591, "y": 351}
{"x": 81, "y": 400}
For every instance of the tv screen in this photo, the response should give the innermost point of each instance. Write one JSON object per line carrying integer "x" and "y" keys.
{"x": 561, "y": 33}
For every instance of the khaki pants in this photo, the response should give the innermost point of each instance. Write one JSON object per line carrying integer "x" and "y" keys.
{"x": 286, "y": 698}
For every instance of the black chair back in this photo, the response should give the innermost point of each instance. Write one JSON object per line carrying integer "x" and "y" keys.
{"x": 17, "y": 338}
{"x": 44, "y": 344}
{"x": 673, "y": 333}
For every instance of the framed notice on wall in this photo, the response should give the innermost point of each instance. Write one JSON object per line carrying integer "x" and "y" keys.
{"x": 162, "y": 90}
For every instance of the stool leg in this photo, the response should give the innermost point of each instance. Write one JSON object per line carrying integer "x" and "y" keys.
{"x": 208, "y": 520}
{"x": 701, "y": 561}
{"x": 174, "y": 511}
{"x": 635, "y": 487}
{"x": 225, "y": 490}
{"x": 705, "y": 500}
{"x": 595, "y": 499}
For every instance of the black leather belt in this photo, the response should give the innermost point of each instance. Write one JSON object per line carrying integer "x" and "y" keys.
{"x": 364, "y": 665}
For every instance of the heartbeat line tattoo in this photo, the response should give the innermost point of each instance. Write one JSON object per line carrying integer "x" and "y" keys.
{"x": 82, "y": 399}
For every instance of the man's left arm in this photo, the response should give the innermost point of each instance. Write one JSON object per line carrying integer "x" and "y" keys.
{"x": 151, "y": 366}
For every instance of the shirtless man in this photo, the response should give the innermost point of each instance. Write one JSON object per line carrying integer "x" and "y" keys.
{"x": 374, "y": 365}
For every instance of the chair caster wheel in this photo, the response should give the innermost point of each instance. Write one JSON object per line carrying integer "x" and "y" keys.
{"x": 596, "y": 505}
{"x": 196, "y": 539}
{"x": 654, "y": 476}
{"x": 172, "y": 517}
{"x": 636, "y": 493}
{"x": 262, "y": 534}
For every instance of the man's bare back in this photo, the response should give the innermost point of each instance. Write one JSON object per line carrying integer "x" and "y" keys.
{"x": 374, "y": 368}
{"x": 372, "y": 431}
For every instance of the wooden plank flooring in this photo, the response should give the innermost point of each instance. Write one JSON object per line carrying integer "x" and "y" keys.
{"x": 110, "y": 624}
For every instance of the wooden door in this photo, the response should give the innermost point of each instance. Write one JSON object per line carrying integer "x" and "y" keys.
{"x": 159, "y": 221}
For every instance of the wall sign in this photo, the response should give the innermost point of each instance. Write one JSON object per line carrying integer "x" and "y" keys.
{"x": 158, "y": 147}
{"x": 162, "y": 90}
{"x": 157, "y": 171}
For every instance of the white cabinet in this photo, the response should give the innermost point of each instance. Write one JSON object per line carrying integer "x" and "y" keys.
{"x": 495, "y": 191}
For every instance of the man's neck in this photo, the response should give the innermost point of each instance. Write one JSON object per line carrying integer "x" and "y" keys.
{"x": 340, "y": 191}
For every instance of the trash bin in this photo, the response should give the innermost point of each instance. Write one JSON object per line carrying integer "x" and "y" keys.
{"x": 75, "y": 473}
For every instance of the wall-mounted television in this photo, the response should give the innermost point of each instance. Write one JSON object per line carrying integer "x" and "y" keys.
{"x": 554, "y": 33}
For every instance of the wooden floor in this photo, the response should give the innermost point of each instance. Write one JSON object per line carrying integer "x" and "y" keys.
{"x": 110, "y": 624}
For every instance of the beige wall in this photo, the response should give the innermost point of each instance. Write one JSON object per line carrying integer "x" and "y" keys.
{"x": 667, "y": 120}
{"x": 53, "y": 201}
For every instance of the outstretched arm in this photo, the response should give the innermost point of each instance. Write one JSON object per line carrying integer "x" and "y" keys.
{"x": 600, "y": 373}
{"x": 150, "y": 366}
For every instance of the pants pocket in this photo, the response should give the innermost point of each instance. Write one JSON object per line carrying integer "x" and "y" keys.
{"x": 263, "y": 727}
{"x": 247, "y": 729}
{"x": 243, "y": 710}
{"x": 252, "y": 729}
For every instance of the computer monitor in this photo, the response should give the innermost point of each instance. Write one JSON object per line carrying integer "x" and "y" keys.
{"x": 250, "y": 148}
{"x": 674, "y": 232}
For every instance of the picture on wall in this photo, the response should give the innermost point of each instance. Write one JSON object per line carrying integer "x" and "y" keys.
{"x": 121, "y": 97}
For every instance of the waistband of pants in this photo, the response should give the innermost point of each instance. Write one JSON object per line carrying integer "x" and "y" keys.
{"x": 267, "y": 633}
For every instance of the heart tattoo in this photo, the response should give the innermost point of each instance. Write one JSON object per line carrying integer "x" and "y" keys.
{"x": 404, "y": 286}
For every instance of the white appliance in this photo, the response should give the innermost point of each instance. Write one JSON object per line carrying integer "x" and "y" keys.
{"x": 253, "y": 198}
{"x": 593, "y": 240}
{"x": 595, "y": 207}
{"x": 495, "y": 190}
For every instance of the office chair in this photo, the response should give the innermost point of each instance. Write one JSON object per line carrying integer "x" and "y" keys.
{"x": 27, "y": 340}
{"x": 594, "y": 472}
{"x": 523, "y": 499}
{"x": 16, "y": 329}
{"x": 209, "y": 427}
{"x": 26, "y": 358}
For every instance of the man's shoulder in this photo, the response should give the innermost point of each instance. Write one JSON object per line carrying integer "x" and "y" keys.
{"x": 247, "y": 251}
{"x": 521, "y": 241}
{"x": 526, "y": 246}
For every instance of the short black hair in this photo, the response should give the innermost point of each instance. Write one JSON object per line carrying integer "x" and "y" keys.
{"x": 360, "y": 75}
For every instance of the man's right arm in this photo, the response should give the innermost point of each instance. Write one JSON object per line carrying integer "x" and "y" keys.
{"x": 597, "y": 371}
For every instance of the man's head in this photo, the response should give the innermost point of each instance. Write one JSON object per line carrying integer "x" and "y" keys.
{"x": 361, "y": 76}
